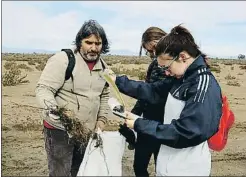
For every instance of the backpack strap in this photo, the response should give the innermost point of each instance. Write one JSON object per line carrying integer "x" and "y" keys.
{"x": 71, "y": 63}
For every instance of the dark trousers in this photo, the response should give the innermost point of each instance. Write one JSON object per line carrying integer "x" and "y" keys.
{"x": 64, "y": 156}
{"x": 144, "y": 148}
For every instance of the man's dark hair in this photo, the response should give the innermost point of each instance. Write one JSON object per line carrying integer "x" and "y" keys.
{"x": 178, "y": 40}
{"x": 91, "y": 27}
{"x": 150, "y": 34}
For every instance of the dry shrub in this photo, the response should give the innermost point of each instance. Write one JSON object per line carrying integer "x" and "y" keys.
{"x": 25, "y": 67}
{"x": 240, "y": 73}
{"x": 9, "y": 64}
{"x": 215, "y": 68}
{"x": 40, "y": 66}
{"x": 232, "y": 68}
{"x": 229, "y": 77}
{"x": 76, "y": 128}
{"x": 229, "y": 63}
{"x": 5, "y": 128}
{"x": 13, "y": 77}
{"x": 214, "y": 64}
{"x": 31, "y": 62}
{"x": 233, "y": 83}
{"x": 242, "y": 67}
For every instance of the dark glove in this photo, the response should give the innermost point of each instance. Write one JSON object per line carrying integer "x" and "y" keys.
{"x": 129, "y": 135}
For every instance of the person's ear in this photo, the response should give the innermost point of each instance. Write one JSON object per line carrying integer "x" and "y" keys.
{"x": 182, "y": 57}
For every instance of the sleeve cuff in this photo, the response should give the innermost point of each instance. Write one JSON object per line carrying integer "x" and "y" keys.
{"x": 102, "y": 119}
{"x": 136, "y": 124}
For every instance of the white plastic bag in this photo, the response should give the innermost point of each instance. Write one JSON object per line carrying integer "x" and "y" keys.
{"x": 105, "y": 160}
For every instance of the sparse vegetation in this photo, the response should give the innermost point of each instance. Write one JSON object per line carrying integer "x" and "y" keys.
{"x": 215, "y": 69}
{"x": 233, "y": 83}
{"x": 228, "y": 63}
{"x": 25, "y": 67}
{"x": 31, "y": 62}
{"x": 229, "y": 77}
{"x": 242, "y": 67}
{"x": 10, "y": 64}
{"x": 20, "y": 118}
{"x": 13, "y": 77}
{"x": 40, "y": 66}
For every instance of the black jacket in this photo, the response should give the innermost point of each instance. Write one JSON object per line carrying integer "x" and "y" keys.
{"x": 152, "y": 111}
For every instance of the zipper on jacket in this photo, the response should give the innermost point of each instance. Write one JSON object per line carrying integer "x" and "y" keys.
{"x": 90, "y": 79}
{"x": 72, "y": 90}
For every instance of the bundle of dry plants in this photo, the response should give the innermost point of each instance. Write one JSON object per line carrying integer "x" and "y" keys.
{"x": 76, "y": 128}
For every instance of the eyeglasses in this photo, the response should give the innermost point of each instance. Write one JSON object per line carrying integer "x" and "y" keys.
{"x": 165, "y": 68}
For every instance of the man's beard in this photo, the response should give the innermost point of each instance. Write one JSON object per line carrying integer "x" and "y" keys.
{"x": 90, "y": 56}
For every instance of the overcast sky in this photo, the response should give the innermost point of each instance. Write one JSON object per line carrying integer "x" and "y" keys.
{"x": 218, "y": 27}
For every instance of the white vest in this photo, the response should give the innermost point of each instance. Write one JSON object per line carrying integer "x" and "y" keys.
{"x": 191, "y": 161}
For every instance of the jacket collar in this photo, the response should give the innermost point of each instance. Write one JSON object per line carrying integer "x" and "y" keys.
{"x": 197, "y": 64}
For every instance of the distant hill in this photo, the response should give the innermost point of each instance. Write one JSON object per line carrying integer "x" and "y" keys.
{"x": 112, "y": 52}
{"x": 24, "y": 50}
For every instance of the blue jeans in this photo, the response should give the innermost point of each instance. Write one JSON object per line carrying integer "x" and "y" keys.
{"x": 64, "y": 156}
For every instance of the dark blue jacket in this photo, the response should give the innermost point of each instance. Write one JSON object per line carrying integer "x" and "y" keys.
{"x": 200, "y": 116}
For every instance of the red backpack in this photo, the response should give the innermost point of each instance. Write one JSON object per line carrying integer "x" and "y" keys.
{"x": 218, "y": 141}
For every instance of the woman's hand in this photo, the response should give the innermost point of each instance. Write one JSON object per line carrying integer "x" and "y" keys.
{"x": 130, "y": 120}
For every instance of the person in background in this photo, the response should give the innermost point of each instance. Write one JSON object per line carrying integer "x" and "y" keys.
{"x": 84, "y": 93}
{"x": 145, "y": 145}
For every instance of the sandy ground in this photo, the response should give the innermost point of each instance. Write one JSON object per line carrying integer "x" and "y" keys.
{"x": 23, "y": 144}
